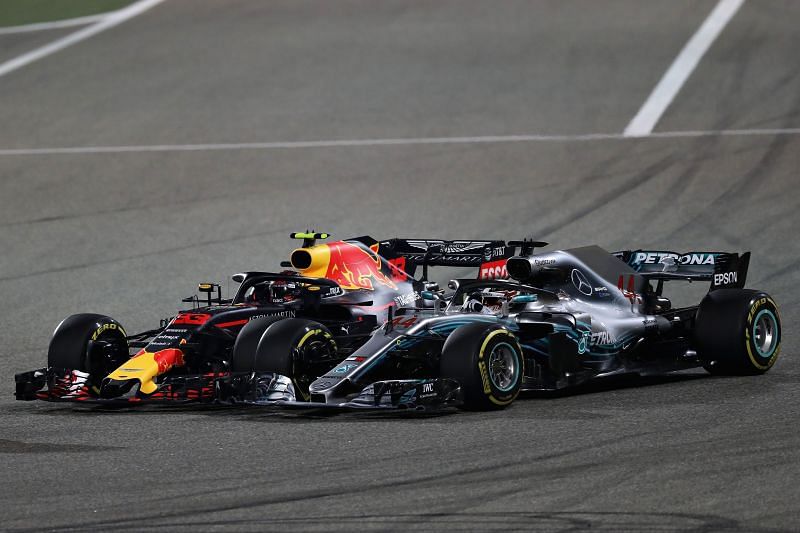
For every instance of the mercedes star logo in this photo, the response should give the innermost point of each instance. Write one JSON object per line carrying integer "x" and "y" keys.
{"x": 580, "y": 282}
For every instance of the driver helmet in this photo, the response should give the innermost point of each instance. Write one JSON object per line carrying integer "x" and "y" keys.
{"x": 487, "y": 301}
{"x": 278, "y": 291}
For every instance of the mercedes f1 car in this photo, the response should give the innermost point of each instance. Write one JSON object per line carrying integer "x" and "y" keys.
{"x": 318, "y": 313}
{"x": 567, "y": 317}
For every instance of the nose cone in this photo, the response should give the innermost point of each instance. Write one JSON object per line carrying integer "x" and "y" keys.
{"x": 144, "y": 367}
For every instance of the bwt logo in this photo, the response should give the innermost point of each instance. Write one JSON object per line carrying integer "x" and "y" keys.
{"x": 725, "y": 278}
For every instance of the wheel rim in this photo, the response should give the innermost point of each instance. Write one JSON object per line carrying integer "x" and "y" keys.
{"x": 765, "y": 333}
{"x": 503, "y": 366}
{"x": 99, "y": 367}
{"x": 318, "y": 349}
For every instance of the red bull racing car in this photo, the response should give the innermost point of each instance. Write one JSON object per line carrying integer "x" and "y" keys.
{"x": 336, "y": 294}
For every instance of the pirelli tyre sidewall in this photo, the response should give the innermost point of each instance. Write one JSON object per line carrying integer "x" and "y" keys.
{"x": 292, "y": 348}
{"x": 75, "y": 344}
{"x": 738, "y": 332}
{"x": 488, "y": 363}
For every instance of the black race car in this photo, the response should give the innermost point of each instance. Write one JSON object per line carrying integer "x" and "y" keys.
{"x": 320, "y": 311}
{"x": 568, "y": 317}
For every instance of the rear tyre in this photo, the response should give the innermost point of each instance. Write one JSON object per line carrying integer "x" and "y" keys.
{"x": 89, "y": 343}
{"x": 299, "y": 349}
{"x": 244, "y": 349}
{"x": 738, "y": 332}
{"x": 488, "y": 363}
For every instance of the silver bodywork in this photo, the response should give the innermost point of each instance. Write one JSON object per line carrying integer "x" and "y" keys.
{"x": 604, "y": 323}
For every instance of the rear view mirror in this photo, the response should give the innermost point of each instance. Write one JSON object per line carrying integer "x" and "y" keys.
{"x": 208, "y": 288}
{"x": 205, "y": 287}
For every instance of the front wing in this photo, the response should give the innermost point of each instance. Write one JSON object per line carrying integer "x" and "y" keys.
{"x": 274, "y": 389}
{"x": 66, "y": 385}
{"x": 252, "y": 389}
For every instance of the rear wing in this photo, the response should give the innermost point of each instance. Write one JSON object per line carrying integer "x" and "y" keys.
{"x": 722, "y": 269}
{"x": 408, "y": 254}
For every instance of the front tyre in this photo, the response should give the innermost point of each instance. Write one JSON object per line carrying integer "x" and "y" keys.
{"x": 738, "y": 332}
{"x": 299, "y": 349}
{"x": 87, "y": 342}
{"x": 487, "y": 361}
{"x": 246, "y": 345}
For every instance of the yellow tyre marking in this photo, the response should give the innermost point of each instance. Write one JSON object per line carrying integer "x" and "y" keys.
{"x": 484, "y": 374}
{"x": 755, "y": 307}
{"x": 506, "y": 402}
{"x": 108, "y": 326}
{"x": 522, "y": 373}
{"x": 488, "y": 338}
{"x": 487, "y": 388}
{"x": 307, "y": 335}
{"x": 302, "y": 341}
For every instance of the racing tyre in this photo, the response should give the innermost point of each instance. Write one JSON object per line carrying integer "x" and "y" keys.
{"x": 487, "y": 361}
{"x": 738, "y": 332}
{"x": 299, "y": 349}
{"x": 244, "y": 349}
{"x": 88, "y": 342}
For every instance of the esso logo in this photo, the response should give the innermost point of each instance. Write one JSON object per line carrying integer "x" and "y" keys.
{"x": 493, "y": 270}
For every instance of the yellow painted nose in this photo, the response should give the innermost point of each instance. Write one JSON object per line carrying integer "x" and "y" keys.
{"x": 142, "y": 368}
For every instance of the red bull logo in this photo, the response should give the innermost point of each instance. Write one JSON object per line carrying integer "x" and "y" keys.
{"x": 355, "y": 268}
{"x": 349, "y": 265}
{"x": 166, "y": 359}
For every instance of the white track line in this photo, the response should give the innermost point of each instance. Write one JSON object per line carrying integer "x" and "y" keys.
{"x": 680, "y": 70}
{"x": 54, "y": 25}
{"x": 108, "y": 21}
{"x": 494, "y": 139}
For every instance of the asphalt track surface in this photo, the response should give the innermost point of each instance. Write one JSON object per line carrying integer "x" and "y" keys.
{"x": 128, "y": 234}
